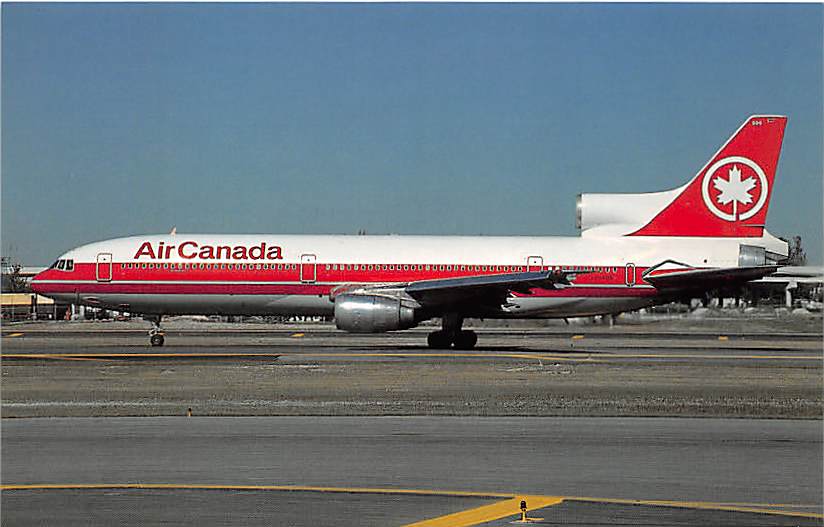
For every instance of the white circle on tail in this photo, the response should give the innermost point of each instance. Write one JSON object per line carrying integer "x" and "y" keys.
{"x": 734, "y": 188}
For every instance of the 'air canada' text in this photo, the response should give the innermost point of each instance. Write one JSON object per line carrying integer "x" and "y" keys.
{"x": 190, "y": 250}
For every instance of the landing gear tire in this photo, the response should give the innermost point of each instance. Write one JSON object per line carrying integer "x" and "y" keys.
{"x": 438, "y": 340}
{"x": 156, "y": 338}
{"x": 466, "y": 340}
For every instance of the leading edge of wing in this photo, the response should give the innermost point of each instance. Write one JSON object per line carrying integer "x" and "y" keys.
{"x": 456, "y": 289}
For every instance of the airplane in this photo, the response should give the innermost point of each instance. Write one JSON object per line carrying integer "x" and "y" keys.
{"x": 634, "y": 251}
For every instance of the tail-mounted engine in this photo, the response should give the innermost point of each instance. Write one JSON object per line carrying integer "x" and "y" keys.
{"x": 372, "y": 314}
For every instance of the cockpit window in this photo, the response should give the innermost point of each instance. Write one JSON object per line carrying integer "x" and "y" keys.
{"x": 63, "y": 265}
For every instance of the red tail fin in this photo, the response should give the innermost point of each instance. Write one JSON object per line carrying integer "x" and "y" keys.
{"x": 731, "y": 194}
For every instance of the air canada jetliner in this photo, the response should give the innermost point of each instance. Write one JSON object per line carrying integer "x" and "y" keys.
{"x": 635, "y": 250}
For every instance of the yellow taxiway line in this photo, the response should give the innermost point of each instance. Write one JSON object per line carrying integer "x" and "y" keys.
{"x": 755, "y": 508}
{"x": 582, "y": 356}
{"x": 276, "y": 488}
{"x": 706, "y": 356}
{"x": 508, "y": 506}
{"x": 104, "y": 356}
{"x": 58, "y": 357}
{"x": 488, "y": 513}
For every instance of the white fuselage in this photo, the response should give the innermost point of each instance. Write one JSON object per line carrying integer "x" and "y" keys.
{"x": 293, "y": 274}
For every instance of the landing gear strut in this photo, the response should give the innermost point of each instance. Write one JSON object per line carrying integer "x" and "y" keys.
{"x": 156, "y": 334}
{"x": 452, "y": 335}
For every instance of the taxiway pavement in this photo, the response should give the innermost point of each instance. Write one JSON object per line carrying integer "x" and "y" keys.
{"x": 703, "y": 469}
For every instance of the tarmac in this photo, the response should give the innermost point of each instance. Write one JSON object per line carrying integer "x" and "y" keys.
{"x": 405, "y": 470}
{"x": 673, "y": 423}
{"x": 99, "y": 369}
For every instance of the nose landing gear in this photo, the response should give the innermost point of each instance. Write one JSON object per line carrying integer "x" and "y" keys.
{"x": 156, "y": 333}
{"x": 452, "y": 335}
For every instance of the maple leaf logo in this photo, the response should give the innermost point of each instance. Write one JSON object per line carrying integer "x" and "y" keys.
{"x": 734, "y": 189}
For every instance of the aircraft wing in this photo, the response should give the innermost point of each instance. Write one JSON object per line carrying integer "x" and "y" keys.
{"x": 705, "y": 279}
{"x": 491, "y": 291}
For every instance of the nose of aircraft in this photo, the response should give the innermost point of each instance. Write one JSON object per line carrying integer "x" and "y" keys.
{"x": 37, "y": 283}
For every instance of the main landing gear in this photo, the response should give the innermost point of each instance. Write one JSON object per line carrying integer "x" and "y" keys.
{"x": 156, "y": 334}
{"x": 452, "y": 335}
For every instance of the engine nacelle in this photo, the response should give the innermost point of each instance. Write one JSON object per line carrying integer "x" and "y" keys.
{"x": 372, "y": 314}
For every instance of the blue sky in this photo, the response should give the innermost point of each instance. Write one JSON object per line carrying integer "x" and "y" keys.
{"x": 406, "y": 118}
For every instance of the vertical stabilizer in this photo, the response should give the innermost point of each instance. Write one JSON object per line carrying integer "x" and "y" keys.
{"x": 731, "y": 194}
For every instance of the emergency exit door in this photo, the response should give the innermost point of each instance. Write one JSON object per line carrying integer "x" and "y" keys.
{"x": 104, "y": 267}
{"x": 308, "y": 268}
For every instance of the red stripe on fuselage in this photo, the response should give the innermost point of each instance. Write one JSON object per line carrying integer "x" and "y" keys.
{"x": 597, "y": 282}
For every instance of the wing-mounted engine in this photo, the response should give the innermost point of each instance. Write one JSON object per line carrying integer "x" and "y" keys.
{"x": 371, "y": 313}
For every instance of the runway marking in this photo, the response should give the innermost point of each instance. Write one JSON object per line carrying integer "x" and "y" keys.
{"x": 488, "y": 513}
{"x": 534, "y": 502}
{"x": 13, "y": 335}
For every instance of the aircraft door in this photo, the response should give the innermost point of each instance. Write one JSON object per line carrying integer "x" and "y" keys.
{"x": 308, "y": 268}
{"x": 104, "y": 267}
{"x": 629, "y": 275}
{"x": 534, "y": 263}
